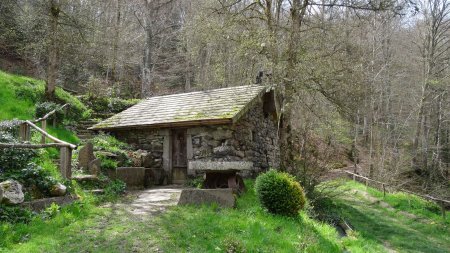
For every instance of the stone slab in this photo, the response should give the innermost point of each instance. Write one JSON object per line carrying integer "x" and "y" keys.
{"x": 85, "y": 156}
{"x": 222, "y": 197}
{"x": 134, "y": 177}
{"x": 219, "y": 166}
{"x": 41, "y": 204}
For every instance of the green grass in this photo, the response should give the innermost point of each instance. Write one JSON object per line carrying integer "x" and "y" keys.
{"x": 214, "y": 229}
{"x": 13, "y": 106}
{"x": 402, "y": 222}
{"x": 63, "y": 134}
{"x": 19, "y": 95}
{"x": 89, "y": 228}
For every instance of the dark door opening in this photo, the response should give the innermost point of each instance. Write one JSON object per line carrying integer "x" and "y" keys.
{"x": 179, "y": 156}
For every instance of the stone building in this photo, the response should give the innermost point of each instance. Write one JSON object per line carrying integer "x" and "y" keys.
{"x": 185, "y": 134}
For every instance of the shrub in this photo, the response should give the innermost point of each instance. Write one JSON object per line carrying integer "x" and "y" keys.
{"x": 116, "y": 187}
{"x": 51, "y": 211}
{"x": 36, "y": 178}
{"x": 28, "y": 92}
{"x": 15, "y": 214}
{"x": 279, "y": 193}
{"x": 195, "y": 182}
{"x": 109, "y": 143}
{"x": 14, "y": 159}
{"x": 44, "y": 108}
{"x": 108, "y": 163}
{"x": 233, "y": 245}
{"x": 77, "y": 110}
{"x": 117, "y": 105}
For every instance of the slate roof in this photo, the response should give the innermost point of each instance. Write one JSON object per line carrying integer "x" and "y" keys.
{"x": 219, "y": 106}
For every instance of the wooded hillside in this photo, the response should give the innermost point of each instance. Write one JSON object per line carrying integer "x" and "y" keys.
{"x": 360, "y": 82}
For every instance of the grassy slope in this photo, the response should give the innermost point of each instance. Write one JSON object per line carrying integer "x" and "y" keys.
{"x": 11, "y": 105}
{"x": 18, "y": 96}
{"x": 400, "y": 222}
{"x": 180, "y": 229}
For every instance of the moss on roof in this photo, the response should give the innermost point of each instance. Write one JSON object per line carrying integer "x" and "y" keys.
{"x": 200, "y": 106}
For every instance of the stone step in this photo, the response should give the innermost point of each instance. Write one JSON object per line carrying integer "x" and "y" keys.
{"x": 85, "y": 136}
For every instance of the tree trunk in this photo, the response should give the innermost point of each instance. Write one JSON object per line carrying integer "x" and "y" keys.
{"x": 147, "y": 62}
{"x": 53, "y": 49}
{"x": 116, "y": 42}
{"x": 298, "y": 11}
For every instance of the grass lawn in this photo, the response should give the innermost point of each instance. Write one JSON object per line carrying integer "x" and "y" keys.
{"x": 88, "y": 228}
{"x": 379, "y": 226}
{"x": 400, "y": 222}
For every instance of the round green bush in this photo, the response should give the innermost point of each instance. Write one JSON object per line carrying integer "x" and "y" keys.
{"x": 279, "y": 193}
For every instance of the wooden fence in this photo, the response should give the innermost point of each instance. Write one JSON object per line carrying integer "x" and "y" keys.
{"x": 383, "y": 186}
{"x": 64, "y": 147}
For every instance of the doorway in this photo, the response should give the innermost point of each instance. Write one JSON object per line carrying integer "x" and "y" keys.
{"x": 179, "y": 156}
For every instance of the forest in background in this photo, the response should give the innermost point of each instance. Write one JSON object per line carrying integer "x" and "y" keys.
{"x": 360, "y": 82}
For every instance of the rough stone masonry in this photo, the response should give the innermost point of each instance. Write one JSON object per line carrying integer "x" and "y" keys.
{"x": 252, "y": 139}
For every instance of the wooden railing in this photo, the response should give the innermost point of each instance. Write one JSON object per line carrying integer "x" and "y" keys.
{"x": 443, "y": 203}
{"x": 64, "y": 147}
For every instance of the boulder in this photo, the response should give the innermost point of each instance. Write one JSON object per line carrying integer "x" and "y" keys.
{"x": 58, "y": 190}
{"x": 95, "y": 166}
{"x": 85, "y": 156}
{"x": 1, "y": 195}
{"x": 12, "y": 192}
{"x": 222, "y": 197}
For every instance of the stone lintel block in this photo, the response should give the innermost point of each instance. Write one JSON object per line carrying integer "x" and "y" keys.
{"x": 219, "y": 165}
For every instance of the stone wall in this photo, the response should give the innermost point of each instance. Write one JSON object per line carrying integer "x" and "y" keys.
{"x": 253, "y": 139}
{"x": 149, "y": 140}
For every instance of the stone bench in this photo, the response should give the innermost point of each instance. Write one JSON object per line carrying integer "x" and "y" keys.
{"x": 221, "y": 174}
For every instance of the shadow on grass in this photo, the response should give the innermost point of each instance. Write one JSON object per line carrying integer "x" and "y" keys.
{"x": 81, "y": 229}
{"x": 397, "y": 231}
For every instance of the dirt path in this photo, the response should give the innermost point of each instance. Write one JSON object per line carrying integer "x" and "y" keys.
{"x": 149, "y": 202}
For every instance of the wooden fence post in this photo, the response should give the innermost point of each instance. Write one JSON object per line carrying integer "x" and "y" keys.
{"x": 24, "y": 132}
{"x": 44, "y": 127}
{"x": 66, "y": 162}
{"x": 384, "y": 191}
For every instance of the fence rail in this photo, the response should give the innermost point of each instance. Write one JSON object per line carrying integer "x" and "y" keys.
{"x": 443, "y": 203}
{"x": 65, "y": 148}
